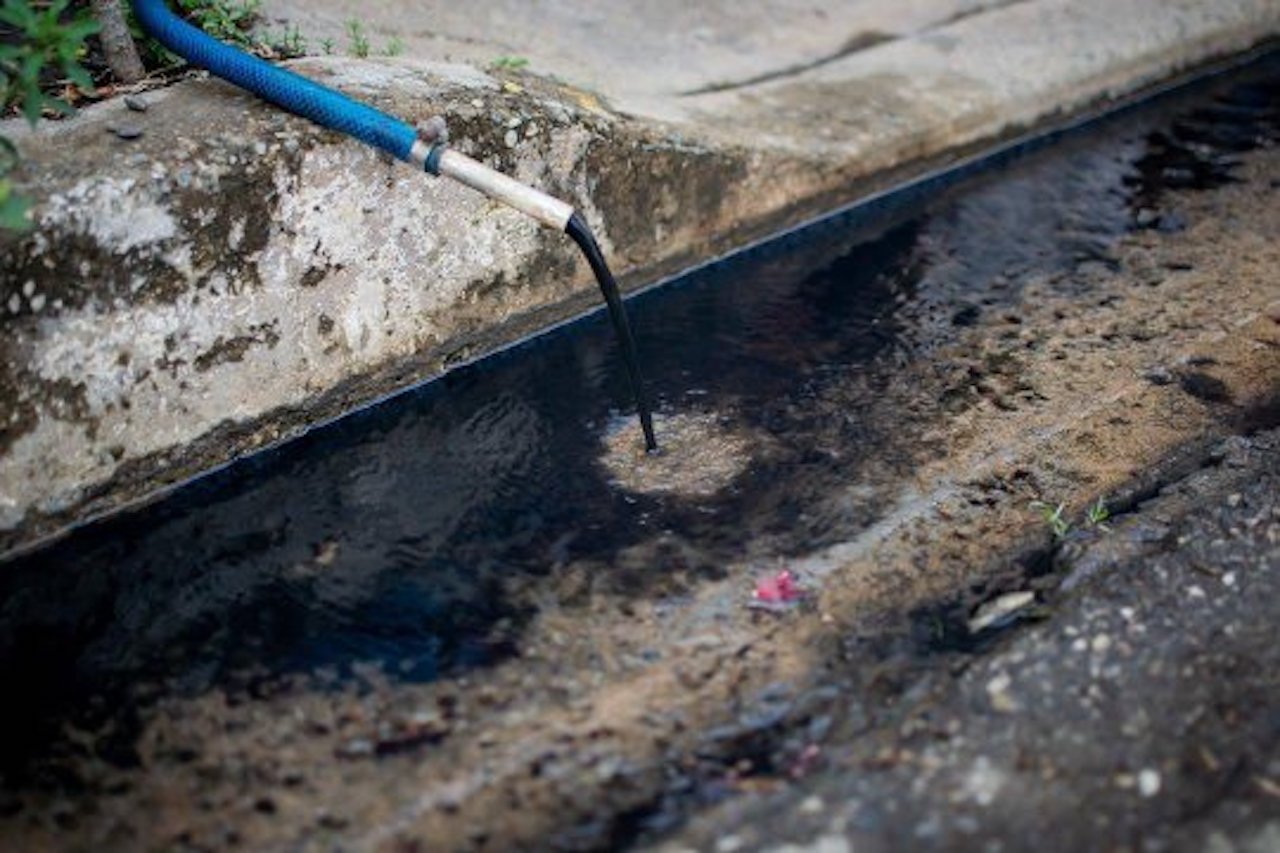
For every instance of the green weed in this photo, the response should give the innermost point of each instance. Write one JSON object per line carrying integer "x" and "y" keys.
{"x": 509, "y": 63}
{"x": 13, "y": 207}
{"x": 228, "y": 20}
{"x": 1097, "y": 515}
{"x": 357, "y": 41}
{"x": 50, "y": 44}
{"x": 291, "y": 43}
{"x": 1053, "y": 517}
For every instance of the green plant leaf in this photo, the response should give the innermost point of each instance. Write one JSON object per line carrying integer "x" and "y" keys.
{"x": 14, "y": 209}
{"x": 79, "y": 76}
{"x": 8, "y": 155}
{"x": 18, "y": 14}
{"x": 79, "y": 30}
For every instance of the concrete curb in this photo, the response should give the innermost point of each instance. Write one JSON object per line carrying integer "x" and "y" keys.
{"x": 236, "y": 275}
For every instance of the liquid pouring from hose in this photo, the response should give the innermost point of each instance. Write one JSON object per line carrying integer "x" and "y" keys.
{"x": 428, "y": 152}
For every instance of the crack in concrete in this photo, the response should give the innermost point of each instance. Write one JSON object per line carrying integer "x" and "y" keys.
{"x": 856, "y": 43}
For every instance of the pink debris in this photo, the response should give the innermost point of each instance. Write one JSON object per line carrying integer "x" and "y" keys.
{"x": 806, "y": 762}
{"x": 778, "y": 589}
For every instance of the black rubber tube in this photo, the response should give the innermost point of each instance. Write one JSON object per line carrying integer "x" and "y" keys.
{"x": 581, "y": 234}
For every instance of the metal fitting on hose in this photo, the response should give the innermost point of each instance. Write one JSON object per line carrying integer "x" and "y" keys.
{"x": 433, "y": 136}
{"x": 431, "y": 153}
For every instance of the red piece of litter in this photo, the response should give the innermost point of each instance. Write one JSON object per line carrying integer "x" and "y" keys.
{"x": 779, "y": 589}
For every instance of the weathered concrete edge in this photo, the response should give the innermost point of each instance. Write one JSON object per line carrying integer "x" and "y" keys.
{"x": 197, "y": 296}
{"x": 218, "y": 360}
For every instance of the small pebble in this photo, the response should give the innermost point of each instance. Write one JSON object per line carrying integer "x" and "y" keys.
{"x": 812, "y": 805}
{"x": 1000, "y": 610}
{"x": 356, "y": 748}
{"x": 1171, "y": 223}
{"x": 510, "y": 139}
{"x": 135, "y": 103}
{"x": 1148, "y": 783}
{"x": 126, "y": 131}
{"x": 998, "y": 694}
{"x": 434, "y": 129}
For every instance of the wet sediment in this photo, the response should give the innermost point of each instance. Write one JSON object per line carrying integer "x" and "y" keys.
{"x": 1135, "y": 706}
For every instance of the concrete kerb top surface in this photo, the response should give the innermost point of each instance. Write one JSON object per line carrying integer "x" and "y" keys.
{"x": 232, "y": 275}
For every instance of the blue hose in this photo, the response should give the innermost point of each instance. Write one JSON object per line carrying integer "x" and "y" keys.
{"x": 334, "y": 110}
{"x": 283, "y": 88}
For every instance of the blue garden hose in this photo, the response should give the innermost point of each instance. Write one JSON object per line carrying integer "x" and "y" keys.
{"x": 293, "y": 92}
{"x": 336, "y": 111}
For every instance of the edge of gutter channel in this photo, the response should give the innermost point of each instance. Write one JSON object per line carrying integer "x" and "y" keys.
{"x": 871, "y": 195}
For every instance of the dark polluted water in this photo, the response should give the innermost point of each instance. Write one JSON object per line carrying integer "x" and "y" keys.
{"x": 407, "y": 536}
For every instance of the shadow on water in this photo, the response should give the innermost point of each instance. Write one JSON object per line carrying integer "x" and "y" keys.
{"x": 395, "y": 535}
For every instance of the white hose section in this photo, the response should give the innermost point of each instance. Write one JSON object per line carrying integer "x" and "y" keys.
{"x": 549, "y": 211}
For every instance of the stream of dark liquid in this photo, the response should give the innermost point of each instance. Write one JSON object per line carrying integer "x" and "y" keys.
{"x": 581, "y": 234}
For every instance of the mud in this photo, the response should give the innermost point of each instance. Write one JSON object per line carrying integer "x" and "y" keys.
{"x": 438, "y": 624}
{"x": 699, "y": 455}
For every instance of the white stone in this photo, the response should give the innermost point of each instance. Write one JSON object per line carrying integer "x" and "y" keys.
{"x": 1149, "y": 782}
